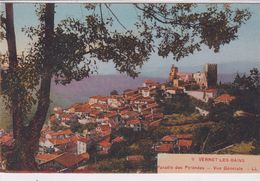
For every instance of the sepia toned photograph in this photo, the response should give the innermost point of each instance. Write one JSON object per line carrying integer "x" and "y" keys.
{"x": 129, "y": 87}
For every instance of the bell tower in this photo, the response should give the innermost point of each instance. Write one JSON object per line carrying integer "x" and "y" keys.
{"x": 173, "y": 73}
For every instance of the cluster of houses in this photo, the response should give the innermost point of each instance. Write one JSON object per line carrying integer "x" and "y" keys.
{"x": 180, "y": 143}
{"x": 134, "y": 109}
{"x": 137, "y": 110}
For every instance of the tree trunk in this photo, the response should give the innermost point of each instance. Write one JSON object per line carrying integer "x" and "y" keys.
{"x": 13, "y": 64}
{"x": 22, "y": 157}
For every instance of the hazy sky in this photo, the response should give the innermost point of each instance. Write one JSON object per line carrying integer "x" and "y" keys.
{"x": 245, "y": 48}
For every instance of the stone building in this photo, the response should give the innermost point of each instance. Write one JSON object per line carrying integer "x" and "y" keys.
{"x": 208, "y": 78}
{"x": 211, "y": 73}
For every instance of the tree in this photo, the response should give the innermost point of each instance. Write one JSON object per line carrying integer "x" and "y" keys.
{"x": 70, "y": 50}
{"x": 119, "y": 150}
{"x": 113, "y": 92}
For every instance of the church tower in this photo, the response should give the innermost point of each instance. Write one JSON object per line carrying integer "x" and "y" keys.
{"x": 173, "y": 73}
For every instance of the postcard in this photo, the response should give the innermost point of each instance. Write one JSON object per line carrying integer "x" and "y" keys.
{"x": 129, "y": 87}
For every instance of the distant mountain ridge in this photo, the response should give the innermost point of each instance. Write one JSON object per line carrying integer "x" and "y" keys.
{"x": 228, "y": 69}
{"x": 95, "y": 85}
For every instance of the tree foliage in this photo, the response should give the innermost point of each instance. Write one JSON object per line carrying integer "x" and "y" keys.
{"x": 182, "y": 29}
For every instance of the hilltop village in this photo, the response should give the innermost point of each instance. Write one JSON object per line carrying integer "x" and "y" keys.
{"x": 127, "y": 130}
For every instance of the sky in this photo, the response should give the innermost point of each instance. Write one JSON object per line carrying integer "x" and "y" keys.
{"x": 245, "y": 48}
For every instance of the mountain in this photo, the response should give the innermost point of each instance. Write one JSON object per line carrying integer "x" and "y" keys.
{"x": 95, "y": 85}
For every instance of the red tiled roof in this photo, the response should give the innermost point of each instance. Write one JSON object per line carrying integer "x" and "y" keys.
{"x": 46, "y": 157}
{"x": 169, "y": 138}
{"x": 164, "y": 148}
{"x": 63, "y": 141}
{"x": 105, "y": 143}
{"x": 83, "y": 108}
{"x": 184, "y": 136}
{"x": 225, "y": 98}
{"x": 135, "y": 158}
{"x": 118, "y": 139}
{"x": 97, "y": 105}
{"x": 6, "y": 138}
{"x": 69, "y": 160}
{"x": 105, "y": 127}
{"x": 155, "y": 123}
{"x": 99, "y": 97}
{"x": 133, "y": 121}
{"x": 62, "y": 132}
{"x": 184, "y": 143}
{"x": 84, "y": 156}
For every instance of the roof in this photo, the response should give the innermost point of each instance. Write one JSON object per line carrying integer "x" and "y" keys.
{"x": 169, "y": 138}
{"x": 83, "y": 108}
{"x": 62, "y": 132}
{"x": 134, "y": 121}
{"x": 164, "y": 148}
{"x": 101, "y": 98}
{"x": 184, "y": 143}
{"x": 225, "y": 98}
{"x": 135, "y": 158}
{"x": 118, "y": 139}
{"x": 105, "y": 143}
{"x": 63, "y": 141}
{"x": 184, "y": 136}
{"x": 6, "y": 138}
{"x": 69, "y": 160}
{"x": 46, "y": 157}
{"x": 155, "y": 123}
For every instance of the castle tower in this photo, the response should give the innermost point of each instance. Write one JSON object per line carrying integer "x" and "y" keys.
{"x": 173, "y": 73}
{"x": 211, "y": 73}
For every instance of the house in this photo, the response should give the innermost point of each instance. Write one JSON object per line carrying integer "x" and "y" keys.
{"x": 61, "y": 134}
{"x": 134, "y": 124}
{"x": 62, "y": 163}
{"x": 164, "y": 148}
{"x": 43, "y": 158}
{"x": 114, "y": 101}
{"x": 129, "y": 93}
{"x": 6, "y": 140}
{"x": 169, "y": 139}
{"x": 225, "y": 99}
{"x": 145, "y": 92}
{"x": 103, "y": 147}
{"x": 170, "y": 91}
{"x": 82, "y": 145}
{"x": 184, "y": 76}
{"x": 103, "y": 130}
{"x": 202, "y": 95}
{"x": 97, "y": 99}
{"x": 150, "y": 84}
{"x": 183, "y": 145}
